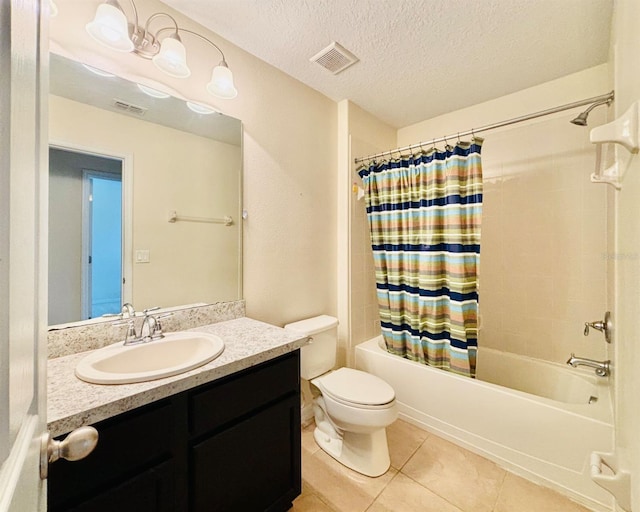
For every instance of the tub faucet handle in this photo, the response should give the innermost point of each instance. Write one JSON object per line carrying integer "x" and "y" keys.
{"x": 605, "y": 326}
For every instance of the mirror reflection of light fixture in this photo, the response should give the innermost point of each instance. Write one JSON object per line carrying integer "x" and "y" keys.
{"x": 199, "y": 108}
{"x": 53, "y": 9}
{"x": 98, "y": 72}
{"x": 154, "y": 93}
{"x": 110, "y": 27}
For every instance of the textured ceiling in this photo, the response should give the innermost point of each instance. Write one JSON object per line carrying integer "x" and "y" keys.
{"x": 418, "y": 58}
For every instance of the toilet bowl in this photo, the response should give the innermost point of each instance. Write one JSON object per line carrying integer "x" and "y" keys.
{"x": 352, "y": 409}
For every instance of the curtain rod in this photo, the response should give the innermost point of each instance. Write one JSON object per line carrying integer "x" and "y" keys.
{"x": 604, "y": 98}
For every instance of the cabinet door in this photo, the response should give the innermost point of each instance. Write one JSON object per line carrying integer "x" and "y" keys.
{"x": 150, "y": 491}
{"x": 253, "y": 465}
{"x": 135, "y": 451}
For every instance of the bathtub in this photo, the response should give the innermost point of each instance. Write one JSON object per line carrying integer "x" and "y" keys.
{"x": 536, "y": 419}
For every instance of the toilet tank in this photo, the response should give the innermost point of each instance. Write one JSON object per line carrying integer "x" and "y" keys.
{"x": 319, "y": 356}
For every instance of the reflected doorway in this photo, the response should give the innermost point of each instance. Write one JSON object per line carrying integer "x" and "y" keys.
{"x": 101, "y": 243}
{"x": 87, "y": 235}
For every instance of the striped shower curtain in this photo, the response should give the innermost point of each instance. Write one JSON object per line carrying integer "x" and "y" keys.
{"x": 424, "y": 214}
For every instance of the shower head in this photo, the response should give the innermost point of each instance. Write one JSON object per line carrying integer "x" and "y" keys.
{"x": 581, "y": 119}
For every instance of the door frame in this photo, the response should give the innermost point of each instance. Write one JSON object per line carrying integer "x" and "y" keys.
{"x": 127, "y": 205}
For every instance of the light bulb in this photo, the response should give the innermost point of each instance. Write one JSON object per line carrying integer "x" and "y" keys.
{"x": 221, "y": 84}
{"x": 110, "y": 28}
{"x": 172, "y": 58}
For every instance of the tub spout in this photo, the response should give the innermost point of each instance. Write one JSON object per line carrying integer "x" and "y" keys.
{"x": 602, "y": 368}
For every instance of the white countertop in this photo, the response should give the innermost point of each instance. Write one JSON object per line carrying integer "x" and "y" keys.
{"x": 73, "y": 402}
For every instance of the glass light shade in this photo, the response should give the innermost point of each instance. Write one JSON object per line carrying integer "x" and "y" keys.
{"x": 172, "y": 58}
{"x": 110, "y": 28}
{"x": 53, "y": 9}
{"x": 221, "y": 84}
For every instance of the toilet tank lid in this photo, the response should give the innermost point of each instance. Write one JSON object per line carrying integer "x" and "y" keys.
{"x": 313, "y": 325}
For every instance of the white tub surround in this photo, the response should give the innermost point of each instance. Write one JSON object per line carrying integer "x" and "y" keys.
{"x": 72, "y": 402}
{"x": 545, "y": 440}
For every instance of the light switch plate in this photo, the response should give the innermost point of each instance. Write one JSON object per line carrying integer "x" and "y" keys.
{"x": 142, "y": 256}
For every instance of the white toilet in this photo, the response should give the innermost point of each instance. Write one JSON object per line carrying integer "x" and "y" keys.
{"x": 354, "y": 407}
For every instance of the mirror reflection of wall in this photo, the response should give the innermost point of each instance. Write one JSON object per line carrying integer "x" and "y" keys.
{"x": 167, "y": 168}
{"x": 85, "y": 235}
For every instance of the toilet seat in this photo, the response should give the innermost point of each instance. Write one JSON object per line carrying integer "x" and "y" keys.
{"x": 356, "y": 389}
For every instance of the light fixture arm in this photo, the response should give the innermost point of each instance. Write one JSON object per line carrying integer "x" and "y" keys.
{"x": 156, "y": 15}
{"x": 115, "y": 3}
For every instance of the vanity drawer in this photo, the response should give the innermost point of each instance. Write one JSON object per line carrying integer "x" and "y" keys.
{"x": 236, "y": 396}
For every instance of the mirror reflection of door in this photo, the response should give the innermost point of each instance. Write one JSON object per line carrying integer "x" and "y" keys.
{"x": 101, "y": 243}
{"x": 69, "y": 245}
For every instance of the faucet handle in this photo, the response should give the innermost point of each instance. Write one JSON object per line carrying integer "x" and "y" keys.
{"x": 149, "y": 310}
{"x": 131, "y": 329}
{"x": 605, "y": 326}
{"x": 598, "y": 325}
{"x": 158, "y": 330}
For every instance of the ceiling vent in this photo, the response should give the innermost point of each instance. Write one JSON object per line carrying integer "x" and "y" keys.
{"x": 129, "y": 107}
{"x": 335, "y": 58}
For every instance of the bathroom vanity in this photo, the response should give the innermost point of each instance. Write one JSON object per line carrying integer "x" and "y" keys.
{"x": 223, "y": 437}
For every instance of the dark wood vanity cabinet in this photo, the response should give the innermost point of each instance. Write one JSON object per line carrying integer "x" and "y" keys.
{"x": 230, "y": 445}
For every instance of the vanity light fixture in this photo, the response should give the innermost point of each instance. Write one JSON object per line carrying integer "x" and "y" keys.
{"x": 111, "y": 28}
{"x": 53, "y": 9}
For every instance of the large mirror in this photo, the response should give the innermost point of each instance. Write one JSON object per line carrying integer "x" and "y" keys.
{"x": 144, "y": 197}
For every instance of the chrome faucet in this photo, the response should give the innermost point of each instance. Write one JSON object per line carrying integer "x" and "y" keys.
{"x": 151, "y": 327}
{"x": 127, "y": 310}
{"x": 150, "y": 330}
{"x": 602, "y": 368}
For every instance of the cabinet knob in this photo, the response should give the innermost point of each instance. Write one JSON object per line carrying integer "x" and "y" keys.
{"x": 77, "y": 445}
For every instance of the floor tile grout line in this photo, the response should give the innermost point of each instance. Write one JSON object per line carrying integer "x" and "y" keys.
{"x": 413, "y": 452}
{"x": 432, "y": 491}
{"x": 504, "y": 478}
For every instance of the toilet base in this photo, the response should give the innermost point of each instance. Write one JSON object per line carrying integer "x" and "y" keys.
{"x": 367, "y": 454}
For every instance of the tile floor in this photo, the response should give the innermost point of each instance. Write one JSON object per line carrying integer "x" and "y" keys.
{"x": 427, "y": 474}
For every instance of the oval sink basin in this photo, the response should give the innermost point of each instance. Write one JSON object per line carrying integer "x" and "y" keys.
{"x": 176, "y": 353}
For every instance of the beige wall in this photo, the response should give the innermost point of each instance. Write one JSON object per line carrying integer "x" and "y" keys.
{"x": 367, "y": 135}
{"x": 543, "y": 250}
{"x": 625, "y": 47}
{"x": 184, "y": 172}
{"x": 289, "y": 164}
